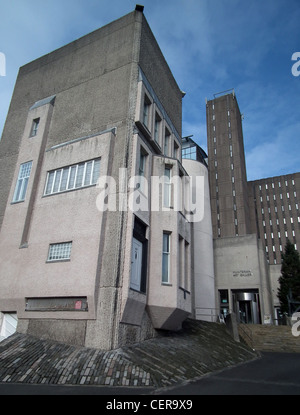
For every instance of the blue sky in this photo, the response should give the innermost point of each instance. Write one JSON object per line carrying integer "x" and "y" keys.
{"x": 210, "y": 46}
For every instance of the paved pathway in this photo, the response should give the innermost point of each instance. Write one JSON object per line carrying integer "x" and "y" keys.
{"x": 164, "y": 361}
{"x": 273, "y": 374}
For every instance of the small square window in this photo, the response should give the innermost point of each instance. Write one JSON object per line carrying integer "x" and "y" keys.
{"x": 59, "y": 252}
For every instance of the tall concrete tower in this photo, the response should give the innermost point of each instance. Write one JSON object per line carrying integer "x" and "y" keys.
{"x": 227, "y": 168}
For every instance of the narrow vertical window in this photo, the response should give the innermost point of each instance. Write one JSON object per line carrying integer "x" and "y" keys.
{"x": 166, "y": 258}
{"x": 34, "y": 127}
{"x": 180, "y": 261}
{"x": 22, "y": 182}
{"x": 186, "y": 265}
{"x": 142, "y": 170}
{"x": 176, "y": 150}
{"x": 167, "y": 187}
{"x": 142, "y": 164}
{"x": 79, "y": 175}
{"x": 146, "y": 111}
{"x": 57, "y": 181}
{"x": 157, "y": 125}
{"x": 96, "y": 171}
{"x": 167, "y": 142}
{"x": 88, "y": 172}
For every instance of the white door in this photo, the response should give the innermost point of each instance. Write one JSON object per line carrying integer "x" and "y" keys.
{"x": 136, "y": 264}
{"x": 9, "y": 325}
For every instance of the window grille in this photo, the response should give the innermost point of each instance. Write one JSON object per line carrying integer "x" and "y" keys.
{"x": 60, "y": 252}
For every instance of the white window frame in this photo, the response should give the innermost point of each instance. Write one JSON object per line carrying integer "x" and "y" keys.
{"x": 22, "y": 182}
{"x": 166, "y": 254}
{"x": 167, "y": 193}
{"x": 74, "y": 181}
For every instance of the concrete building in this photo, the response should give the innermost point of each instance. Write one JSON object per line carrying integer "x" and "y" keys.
{"x": 97, "y": 246}
{"x": 194, "y": 160}
{"x": 274, "y": 205}
{"x": 251, "y": 220}
{"x": 113, "y": 226}
{"x": 73, "y": 268}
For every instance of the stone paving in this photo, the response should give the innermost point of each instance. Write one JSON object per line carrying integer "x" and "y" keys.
{"x": 169, "y": 359}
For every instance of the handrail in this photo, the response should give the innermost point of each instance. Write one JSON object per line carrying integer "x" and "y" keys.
{"x": 209, "y": 312}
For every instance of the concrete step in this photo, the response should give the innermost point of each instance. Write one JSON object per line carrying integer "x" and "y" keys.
{"x": 270, "y": 338}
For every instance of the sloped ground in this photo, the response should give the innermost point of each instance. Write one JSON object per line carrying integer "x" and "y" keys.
{"x": 199, "y": 348}
{"x": 269, "y": 338}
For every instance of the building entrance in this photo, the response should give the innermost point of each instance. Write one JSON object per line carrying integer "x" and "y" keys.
{"x": 245, "y": 312}
{"x": 246, "y": 306}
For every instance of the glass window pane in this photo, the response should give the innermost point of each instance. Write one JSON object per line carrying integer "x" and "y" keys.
{"x": 64, "y": 179}
{"x": 165, "y": 268}
{"x": 56, "y": 181}
{"x": 167, "y": 188}
{"x": 88, "y": 172}
{"x": 165, "y": 257}
{"x": 18, "y": 190}
{"x": 166, "y": 149}
{"x": 72, "y": 177}
{"x": 22, "y": 182}
{"x": 59, "y": 251}
{"x": 166, "y": 238}
{"x": 79, "y": 175}
{"x": 49, "y": 182}
{"x": 96, "y": 171}
{"x": 25, "y": 170}
{"x": 24, "y": 188}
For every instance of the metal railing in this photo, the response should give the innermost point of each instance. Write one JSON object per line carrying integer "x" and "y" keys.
{"x": 209, "y": 314}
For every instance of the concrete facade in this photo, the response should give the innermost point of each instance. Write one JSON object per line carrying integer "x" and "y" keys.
{"x": 85, "y": 258}
{"x": 74, "y": 111}
{"x": 203, "y": 259}
{"x": 251, "y": 220}
{"x": 227, "y": 168}
{"x": 101, "y": 242}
